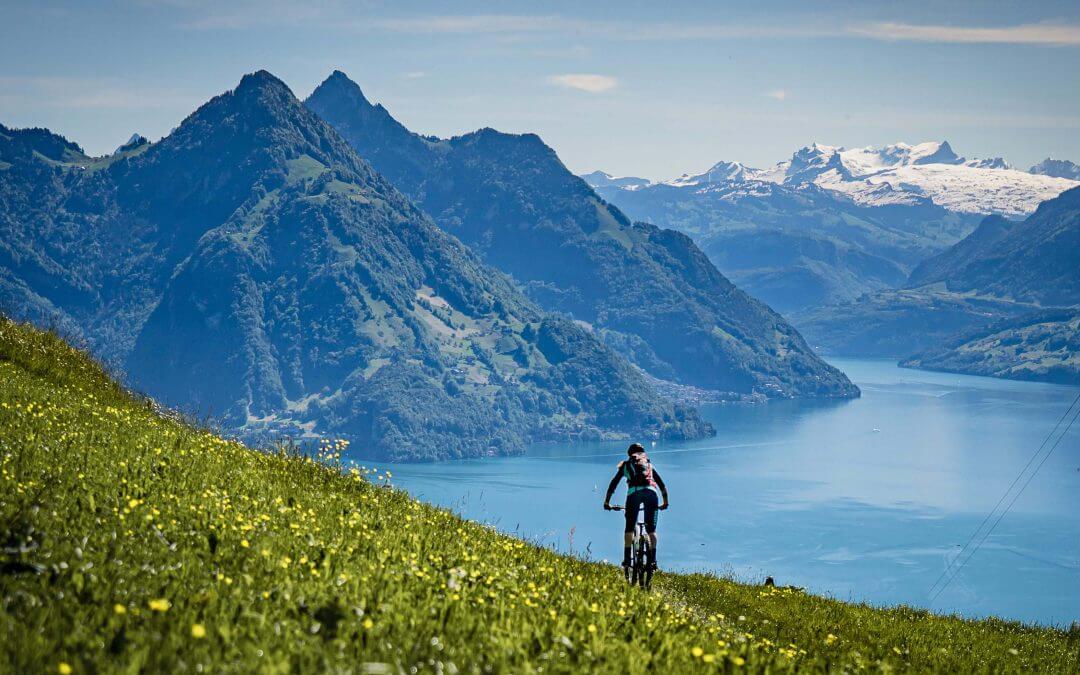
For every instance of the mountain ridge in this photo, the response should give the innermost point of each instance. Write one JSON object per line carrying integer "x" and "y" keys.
{"x": 902, "y": 174}
{"x": 1059, "y": 168}
{"x": 511, "y": 199}
{"x": 264, "y": 273}
{"x": 976, "y": 307}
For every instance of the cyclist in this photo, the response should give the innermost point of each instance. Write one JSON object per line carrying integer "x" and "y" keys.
{"x": 642, "y": 483}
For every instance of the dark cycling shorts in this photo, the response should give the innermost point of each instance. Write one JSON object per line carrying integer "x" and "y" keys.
{"x": 646, "y": 499}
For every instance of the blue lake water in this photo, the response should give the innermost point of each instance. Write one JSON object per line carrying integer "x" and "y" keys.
{"x": 864, "y": 500}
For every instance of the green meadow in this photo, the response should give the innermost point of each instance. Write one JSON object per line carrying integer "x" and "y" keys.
{"x": 134, "y": 541}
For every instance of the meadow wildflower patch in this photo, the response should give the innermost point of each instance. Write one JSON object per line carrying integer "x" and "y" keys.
{"x": 132, "y": 540}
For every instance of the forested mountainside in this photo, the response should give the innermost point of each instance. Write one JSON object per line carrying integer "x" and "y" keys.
{"x": 650, "y": 292}
{"x": 977, "y": 307}
{"x": 1043, "y": 345}
{"x": 250, "y": 266}
{"x": 796, "y": 246}
{"x": 898, "y": 323}
{"x": 1036, "y": 260}
{"x": 979, "y": 244}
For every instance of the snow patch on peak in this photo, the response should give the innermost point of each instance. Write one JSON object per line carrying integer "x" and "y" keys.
{"x": 1058, "y": 168}
{"x": 936, "y": 152}
{"x": 922, "y": 175}
{"x": 988, "y": 163}
{"x": 721, "y": 172}
{"x": 600, "y": 179}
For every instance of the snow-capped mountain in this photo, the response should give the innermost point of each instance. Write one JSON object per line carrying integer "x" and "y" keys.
{"x": 901, "y": 174}
{"x": 832, "y": 223}
{"x": 601, "y": 179}
{"x": 911, "y": 174}
{"x": 720, "y": 172}
{"x": 1061, "y": 168}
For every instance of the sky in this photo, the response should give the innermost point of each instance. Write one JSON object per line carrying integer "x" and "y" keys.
{"x": 634, "y": 88}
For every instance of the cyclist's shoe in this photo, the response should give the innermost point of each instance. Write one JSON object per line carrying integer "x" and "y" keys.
{"x": 650, "y": 566}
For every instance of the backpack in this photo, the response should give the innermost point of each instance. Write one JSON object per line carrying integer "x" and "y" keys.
{"x": 638, "y": 470}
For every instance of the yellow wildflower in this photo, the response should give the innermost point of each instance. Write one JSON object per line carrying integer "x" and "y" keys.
{"x": 64, "y": 668}
{"x": 119, "y": 609}
{"x": 198, "y": 631}
{"x": 160, "y": 605}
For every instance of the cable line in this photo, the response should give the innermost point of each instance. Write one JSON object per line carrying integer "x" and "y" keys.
{"x": 949, "y": 568}
{"x": 1001, "y": 500}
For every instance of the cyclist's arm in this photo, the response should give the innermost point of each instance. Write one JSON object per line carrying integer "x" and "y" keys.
{"x": 613, "y": 484}
{"x": 660, "y": 484}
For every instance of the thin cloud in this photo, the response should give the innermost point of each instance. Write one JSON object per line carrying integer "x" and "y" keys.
{"x": 478, "y": 23}
{"x": 508, "y": 24}
{"x": 86, "y": 93}
{"x": 336, "y": 15}
{"x": 777, "y": 94}
{"x": 415, "y": 75}
{"x": 1030, "y": 34}
{"x": 594, "y": 84}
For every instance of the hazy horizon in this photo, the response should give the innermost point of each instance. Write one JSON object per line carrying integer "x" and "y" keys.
{"x": 628, "y": 89}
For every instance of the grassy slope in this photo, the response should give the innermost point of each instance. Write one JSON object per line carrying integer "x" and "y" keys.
{"x": 132, "y": 540}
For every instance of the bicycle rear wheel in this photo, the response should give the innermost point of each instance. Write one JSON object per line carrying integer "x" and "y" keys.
{"x": 641, "y": 560}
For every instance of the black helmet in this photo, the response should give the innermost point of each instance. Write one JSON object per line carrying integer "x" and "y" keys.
{"x": 634, "y": 449}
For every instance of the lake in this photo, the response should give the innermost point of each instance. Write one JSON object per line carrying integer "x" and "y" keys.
{"x": 864, "y": 500}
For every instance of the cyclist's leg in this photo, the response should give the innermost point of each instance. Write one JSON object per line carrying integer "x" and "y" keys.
{"x": 633, "y": 504}
{"x": 652, "y": 513}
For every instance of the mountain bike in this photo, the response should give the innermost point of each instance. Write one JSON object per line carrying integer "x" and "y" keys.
{"x": 639, "y": 573}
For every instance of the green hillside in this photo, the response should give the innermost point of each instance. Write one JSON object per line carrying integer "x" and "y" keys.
{"x": 252, "y": 267}
{"x": 136, "y": 542}
{"x": 649, "y": 292}
{"x": 1043, "y": 346}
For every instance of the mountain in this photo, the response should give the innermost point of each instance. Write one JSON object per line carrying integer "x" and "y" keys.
{"x": 831, "y": 224}
{"x": 607, "y": 180}
{"x": 135, "y": 141}
{"x": 718, "y": 173}
{"x": 251, "y": 266}
{"x": 1043, "y": 346}
{"x": 795, "y": 246}
{"x": 897, "y": 323}
{"x": 907, "y": 174}
{"x": 649, "y": 292}
{"x": 1003, "y": 270}
{"x": 1059, "y": 168}
{"x": 979, "y": 244}
{"x": 1036, "y": 260}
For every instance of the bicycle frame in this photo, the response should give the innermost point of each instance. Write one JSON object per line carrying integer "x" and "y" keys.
{"x": 638, "y": 574}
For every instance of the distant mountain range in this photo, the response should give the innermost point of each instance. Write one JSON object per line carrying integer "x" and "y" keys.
{"x": 649, "y": 292}
{"x": 992, "y": 292}
{"x": 1061, "y": 168}
{"x": 253, "y": 267}
{"x": 831, "y": 224}
{"x": 1036, "y": 260}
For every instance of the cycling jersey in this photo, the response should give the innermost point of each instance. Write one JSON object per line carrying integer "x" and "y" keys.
{"x": 650, "y": 481}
